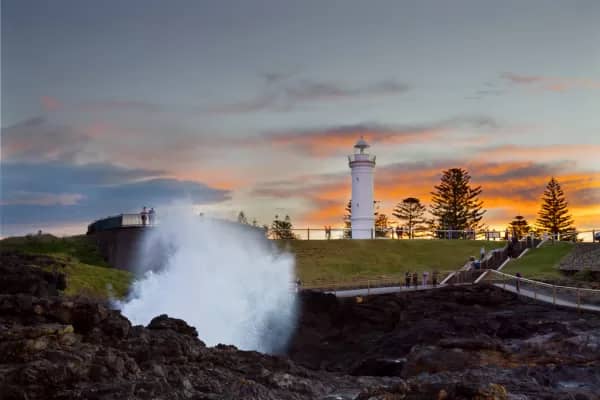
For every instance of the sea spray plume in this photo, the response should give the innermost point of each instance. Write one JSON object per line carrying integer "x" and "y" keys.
{"x": 227, "y": 280}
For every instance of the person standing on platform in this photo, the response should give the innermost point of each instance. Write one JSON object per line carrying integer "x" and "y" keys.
{"x": 151, "y": 215}
{"x": 398, "y": 232}
{"x": 407, "y": 279}
{"x": 425, "y": 278}
{"x": 415, "y": 277}
{"x": 144, "y": 215}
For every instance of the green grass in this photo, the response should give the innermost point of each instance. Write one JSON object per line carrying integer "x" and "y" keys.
{"x": 87, "y": 273}
{"x": 542, "y": 263}
{"x": 80, "y": 247}
{"x": 347, "y": 261}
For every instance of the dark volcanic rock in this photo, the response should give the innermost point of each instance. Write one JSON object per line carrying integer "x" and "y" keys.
{"x": 454, "y": 343}
{"x": 433, "y": 340}
{"x": 54, "y": 347}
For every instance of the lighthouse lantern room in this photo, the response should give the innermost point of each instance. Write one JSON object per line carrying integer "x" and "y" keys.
{"x": 362, "y": 166}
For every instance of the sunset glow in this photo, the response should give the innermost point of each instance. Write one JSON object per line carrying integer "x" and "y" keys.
{"x": 232, "y": 107}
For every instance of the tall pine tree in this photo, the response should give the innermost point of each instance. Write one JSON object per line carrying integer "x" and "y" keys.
{"x": 282, "y": 229}
{"x": 411, "y": 210}
{"x": 348, "y": 220}
{"x": 519, "y": 227}
{"x": 455, "y": 204}
{"x": 554, "y": 214}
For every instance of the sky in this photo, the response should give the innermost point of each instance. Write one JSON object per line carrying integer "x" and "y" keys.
{"x": 254, "y": 105}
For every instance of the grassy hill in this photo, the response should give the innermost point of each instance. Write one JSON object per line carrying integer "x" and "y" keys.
{"x": 87, "y": 273}
{"x": 347, "y": 261}
{"x": 542, "y": 263}
{"x": 318, "y": 262}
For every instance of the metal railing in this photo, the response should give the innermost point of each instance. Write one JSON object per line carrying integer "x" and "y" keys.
{"x": 332, "y": 286}
{"x": 580, "y": 298}
{"x": 310, "y": 233}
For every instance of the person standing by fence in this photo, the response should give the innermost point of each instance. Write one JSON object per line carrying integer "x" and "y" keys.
{"x": 151, "y": 215}
{"x": 144, "y": 216}
{"x": 407, "y": 279}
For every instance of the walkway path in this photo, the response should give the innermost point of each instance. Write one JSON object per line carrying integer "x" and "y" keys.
{"x": 545, "y": 298}
{"x": 508, "y": 286}
{"x": 381, "y": 290}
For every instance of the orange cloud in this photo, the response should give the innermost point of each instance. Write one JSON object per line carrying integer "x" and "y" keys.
{"x": 326, "y": 143}
{"x": 508, "y": 189}
{"x": 331, "y": 141}
{"x": 540, "y": 152}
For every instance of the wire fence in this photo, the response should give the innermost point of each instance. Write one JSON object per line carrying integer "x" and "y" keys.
{"x": 308, "y": 233}
{"x": 329, "y": 233}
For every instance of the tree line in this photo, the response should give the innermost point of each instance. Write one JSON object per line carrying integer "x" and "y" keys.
{"x": 455, "y": 211}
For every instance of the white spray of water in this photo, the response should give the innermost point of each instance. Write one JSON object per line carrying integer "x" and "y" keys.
{"x": 226, "y": 280}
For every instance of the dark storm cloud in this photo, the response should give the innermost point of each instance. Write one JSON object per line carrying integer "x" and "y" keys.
{"x": 61, "y": 192}
{"x": 36, "y": 139}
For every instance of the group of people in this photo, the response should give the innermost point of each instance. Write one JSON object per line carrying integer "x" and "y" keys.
{"x": 413, "y": 278}
{"x": 148, "y": 216}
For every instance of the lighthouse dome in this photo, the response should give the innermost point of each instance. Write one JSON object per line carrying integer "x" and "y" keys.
{"x": 361, "y": 145}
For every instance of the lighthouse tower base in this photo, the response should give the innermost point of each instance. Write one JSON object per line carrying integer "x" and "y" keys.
{"x": 362, "y": 228}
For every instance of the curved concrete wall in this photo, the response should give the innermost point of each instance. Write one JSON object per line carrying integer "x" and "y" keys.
{"x": 120, "y": 246}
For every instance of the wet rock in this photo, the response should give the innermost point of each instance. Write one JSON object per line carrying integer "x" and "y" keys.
{"x": 454, "y": 343}
{"x": 177, "y": 325}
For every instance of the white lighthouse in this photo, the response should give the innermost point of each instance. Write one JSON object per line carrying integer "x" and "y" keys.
{"x": 362, "y": 166}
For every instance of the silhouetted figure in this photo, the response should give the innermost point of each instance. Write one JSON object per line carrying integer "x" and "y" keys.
{"x": 407, "y": 279}
{"x": 518, "y": 284}
{"x": 434, "y": 278}
{"x": 415, "y": 278}
{"x": 151, "y": 215}
{"x": 398, "y": 232}
{"x": 425, "y": 278}
{"x": 144, "y": 215}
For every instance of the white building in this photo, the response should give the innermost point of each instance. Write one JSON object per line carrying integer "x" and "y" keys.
{"x": 362, "y": 166}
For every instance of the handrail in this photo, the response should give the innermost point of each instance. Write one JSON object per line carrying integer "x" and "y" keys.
{"x": 373, "y": 283}
{"x": 544, "y": 283}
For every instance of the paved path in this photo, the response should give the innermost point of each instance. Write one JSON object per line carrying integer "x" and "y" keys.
{"x": 381, "y": 290}
{"x": 508, "y": 287}
{"x": 545, "y": 298}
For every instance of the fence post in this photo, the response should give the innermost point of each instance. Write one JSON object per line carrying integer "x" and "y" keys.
{"x": 593, "y": 236}
{"x": 308, "y": 233}
{"x": 578, "y": 300}
{"x": 534, "y": 292}
{"x": 504, "y": 281}
{"x": 372, "y": 234}
{"x": 368, "y": 287}
{"x": 554, "y": 295}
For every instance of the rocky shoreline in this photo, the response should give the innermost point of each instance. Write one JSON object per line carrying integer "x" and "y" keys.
{"x": 473, "y": 343}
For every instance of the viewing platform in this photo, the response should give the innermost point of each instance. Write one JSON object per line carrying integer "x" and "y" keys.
{"x": 118, "y": 222}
